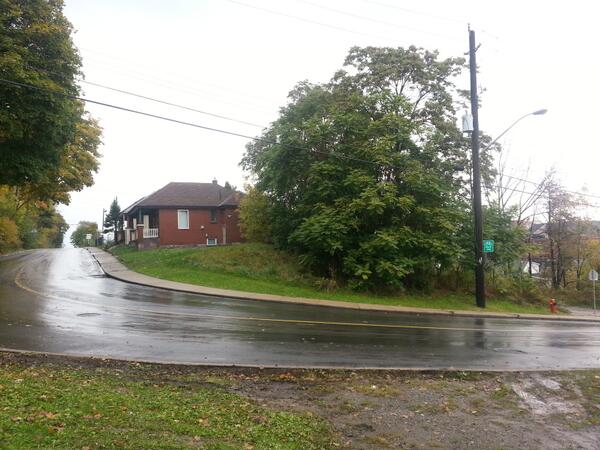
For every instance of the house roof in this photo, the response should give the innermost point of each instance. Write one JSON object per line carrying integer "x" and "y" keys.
{"x": 188, "y": 195}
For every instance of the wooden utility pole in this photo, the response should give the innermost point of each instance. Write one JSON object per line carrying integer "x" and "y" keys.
{"x": 477, "y": 210}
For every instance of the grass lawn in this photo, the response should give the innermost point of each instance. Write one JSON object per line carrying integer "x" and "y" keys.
{"x": 51, "y": 401}
{"x": 51, "y": 406}
{"x": 259, "y": 268}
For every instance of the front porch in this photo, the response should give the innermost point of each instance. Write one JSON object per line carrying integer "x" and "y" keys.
{"x": 141, "y": 228}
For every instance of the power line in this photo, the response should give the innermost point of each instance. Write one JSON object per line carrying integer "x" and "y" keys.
{"x": 164, "y": 102}
{"x": 122, "y": 108}
{"x": 183, "y": 84}
{"x": 245, "y": 136}
{"x": 144, "y": 68}
{"x": 194, "y": 91}
{"x": 541, "y": 194}
{"x": 302, "y": 19}
{"x": 182, "y": 122}
{"x": 537, "y": 184}
{"x": 369, "y": 19}
{"x": 413, "y": 11}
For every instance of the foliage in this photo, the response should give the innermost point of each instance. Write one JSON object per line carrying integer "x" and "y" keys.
{"x": 36, "y": 125}
{"x": 77, "y": 163}
{"x": 38, "y": 224}
{"x": 49, "y": 144}
{"x": 113, "y": 221}
{"x": 78, "y": 236}
{"x": 9, "y": 235}
{"x": 509, "y": 239}
{"x": 390, "y": 223}
{"x": 254, "y": 216}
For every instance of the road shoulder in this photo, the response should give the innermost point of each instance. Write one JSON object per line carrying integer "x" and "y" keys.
{"x": 113, "y": 268}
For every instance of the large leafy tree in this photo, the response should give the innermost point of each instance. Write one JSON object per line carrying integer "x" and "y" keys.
{"x": 365, "y": 175}
{"x": 38, "y": 128}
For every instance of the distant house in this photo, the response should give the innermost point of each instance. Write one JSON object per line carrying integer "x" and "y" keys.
{"x": 183, "y": 214}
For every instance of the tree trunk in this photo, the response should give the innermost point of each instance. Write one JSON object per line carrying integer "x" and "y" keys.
{"x": 555, "y": 281}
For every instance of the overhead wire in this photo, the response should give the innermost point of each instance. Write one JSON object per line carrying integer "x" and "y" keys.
{"x": 567, "y": 191}
{"x": 147, "y": 67}
{"x": 541, "y": 194}
{"x": 152, "y": 99}
{"x": 245, "y": 136}
{"x": 164, "y": 102}
{"x": 416, "y": 12}
{"x": 183, "y": 122}
{"x": 194, "y": 91}
{"x": 303, "y": 19}
{"x": 183, "y": 84}
{"x": 373, "y": 20}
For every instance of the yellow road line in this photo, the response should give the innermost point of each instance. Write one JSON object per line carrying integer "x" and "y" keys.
{"x": 20, "y": 284}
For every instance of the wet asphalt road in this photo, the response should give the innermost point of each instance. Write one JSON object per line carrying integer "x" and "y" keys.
{"x": 60, "y": 301}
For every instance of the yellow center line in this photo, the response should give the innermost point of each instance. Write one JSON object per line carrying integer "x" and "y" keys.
{"x": 20, "y": 284}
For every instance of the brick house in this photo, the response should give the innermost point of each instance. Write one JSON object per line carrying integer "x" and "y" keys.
{"x": 184, "y": 214}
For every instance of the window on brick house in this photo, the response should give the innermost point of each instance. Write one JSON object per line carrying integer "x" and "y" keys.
{"x": 183, "y": 219}
{"x": 213, "y": 216}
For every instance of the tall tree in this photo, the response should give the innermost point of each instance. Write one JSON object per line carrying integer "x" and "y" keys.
{"x": 78, "y": 237}
{"x": 254, "y": 216}
{"x": 113, "y": 222}
{"x": 364, "y": 175}
{"x": 560, "y": 214}
{"x": 36, "y": 124}
{"x": 577, "y": 249}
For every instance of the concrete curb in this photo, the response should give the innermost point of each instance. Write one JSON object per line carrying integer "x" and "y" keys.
{"x": 113, "y": 268}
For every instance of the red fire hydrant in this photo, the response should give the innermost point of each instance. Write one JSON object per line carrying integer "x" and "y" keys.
{"x": 552, "y": 304}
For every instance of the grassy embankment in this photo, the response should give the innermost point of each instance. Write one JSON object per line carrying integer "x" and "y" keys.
{"x": 54, "y": 406}
{"x": 259, "y": 268}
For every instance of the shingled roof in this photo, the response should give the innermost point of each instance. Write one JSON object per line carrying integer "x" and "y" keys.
{"x": 188, "y": 195}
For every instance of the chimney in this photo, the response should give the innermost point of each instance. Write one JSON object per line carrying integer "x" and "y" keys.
{"x": 215, "y": 181}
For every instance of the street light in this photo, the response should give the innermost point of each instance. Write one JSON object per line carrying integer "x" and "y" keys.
{"x": 539, "y": 112}
{"x": 469, "y": 127}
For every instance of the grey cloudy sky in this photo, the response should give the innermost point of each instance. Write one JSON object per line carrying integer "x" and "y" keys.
{"x": 241, "y": 58}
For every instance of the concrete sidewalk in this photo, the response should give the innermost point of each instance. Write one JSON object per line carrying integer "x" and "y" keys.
{"x": 113, "y": 268}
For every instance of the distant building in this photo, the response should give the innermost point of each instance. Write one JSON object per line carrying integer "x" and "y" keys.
{"x": 183, "y": 214}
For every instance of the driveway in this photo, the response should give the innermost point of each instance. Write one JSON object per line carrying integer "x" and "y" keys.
{"x": 59, "y": 301}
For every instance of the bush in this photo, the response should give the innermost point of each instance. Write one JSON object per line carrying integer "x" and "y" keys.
{"x": 9, "y": 235}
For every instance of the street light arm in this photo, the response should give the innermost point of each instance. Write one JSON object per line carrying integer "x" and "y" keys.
{"x": 508, "y": 129}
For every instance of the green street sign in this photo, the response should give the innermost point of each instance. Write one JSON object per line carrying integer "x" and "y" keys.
{"x": 488, "y": 246}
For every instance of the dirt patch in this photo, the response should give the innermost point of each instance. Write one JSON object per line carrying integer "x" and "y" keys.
{"x": 401, "y": 409}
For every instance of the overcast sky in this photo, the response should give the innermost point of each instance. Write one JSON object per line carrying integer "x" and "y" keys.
{"x": 240, "y": 59}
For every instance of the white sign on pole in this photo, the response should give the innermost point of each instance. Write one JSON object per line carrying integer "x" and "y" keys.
{"x": 89, "y": 236}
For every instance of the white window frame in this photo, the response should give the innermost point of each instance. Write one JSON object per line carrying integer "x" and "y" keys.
{"x": 212, "y": 239}
{"x": 179, "y": 227}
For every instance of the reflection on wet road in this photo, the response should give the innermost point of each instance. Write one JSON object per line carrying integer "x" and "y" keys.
{"x": 60, "y": 301}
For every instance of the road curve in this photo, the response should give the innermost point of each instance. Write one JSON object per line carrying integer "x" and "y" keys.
{"x": 59, "y": 301}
